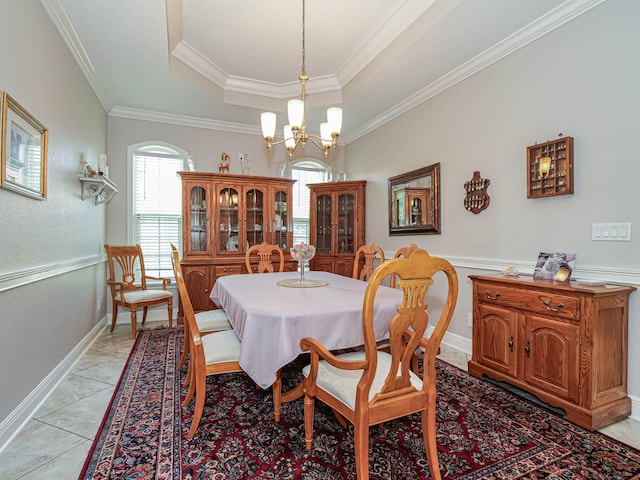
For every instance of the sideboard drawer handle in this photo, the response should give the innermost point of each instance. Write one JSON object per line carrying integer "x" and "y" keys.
{"x": 550, "y": 308}
{"x": 492, "y": 297}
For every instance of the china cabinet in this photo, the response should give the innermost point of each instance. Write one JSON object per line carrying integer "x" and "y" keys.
{"x": 223, "y": 215}
{"x": 336, "y": 224}
{"x": 565, "y": 342}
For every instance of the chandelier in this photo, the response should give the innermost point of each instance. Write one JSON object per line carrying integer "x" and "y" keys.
{"x": 295, "y": 134}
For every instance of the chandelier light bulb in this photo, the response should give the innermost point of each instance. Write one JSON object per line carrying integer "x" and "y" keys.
{"x": 325, "y": 134}
{"x": 334, "y": 117}
{"x": 296, "y": 113}
{"x": 268, "y": 121}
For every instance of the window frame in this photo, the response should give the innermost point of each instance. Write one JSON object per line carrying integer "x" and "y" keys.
{"x": 309, "y": 164}
{"x": 133, "y": 150}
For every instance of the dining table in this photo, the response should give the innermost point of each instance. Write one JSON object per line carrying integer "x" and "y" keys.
{"x": 270, "y": 314}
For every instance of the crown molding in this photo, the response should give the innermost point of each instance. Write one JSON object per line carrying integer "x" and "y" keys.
{"x": 151, "y": 116}
{"x": 547, "y": 23}
{"x": 62, "y": 22}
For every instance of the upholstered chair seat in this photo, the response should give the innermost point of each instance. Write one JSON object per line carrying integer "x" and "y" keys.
{"x": 137, "y": 296}
{"x": 222, "y": 347}
{"x": 342, "y": 384}
{"x": 212, "y": 320}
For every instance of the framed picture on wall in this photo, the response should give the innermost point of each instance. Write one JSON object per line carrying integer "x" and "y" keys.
{"x": 23, "y": 150}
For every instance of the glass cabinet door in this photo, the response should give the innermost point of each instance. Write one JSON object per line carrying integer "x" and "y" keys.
{"x": 323, "y": 215}
{"x": 199, "y": 235}
{"x": 228, "y": 220}
{"x": 346, "y": 224}
{"x": 281, "y": 221}
{"x": 254, "y": 217}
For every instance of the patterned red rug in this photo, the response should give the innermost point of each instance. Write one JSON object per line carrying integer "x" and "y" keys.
{"x": 483, "y": 432}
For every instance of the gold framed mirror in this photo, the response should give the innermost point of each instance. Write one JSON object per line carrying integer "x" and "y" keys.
{"x": 414, "y": 202}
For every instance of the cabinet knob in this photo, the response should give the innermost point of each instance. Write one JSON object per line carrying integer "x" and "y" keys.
{"x": 492, "y": 297}
{"x": 527, "y": 349}
{"x": 511, "y": 344}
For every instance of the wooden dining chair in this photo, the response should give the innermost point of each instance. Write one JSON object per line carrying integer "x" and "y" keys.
{"x": 265, "y": 252}
{"x": 371, "y": 386}
{"x": 211, "y": 354}
{"x": 128, "y": 284}
{"x": 402, "y": 252}
{"x": 365, "y": 261}
{"x": 208, "y": 320}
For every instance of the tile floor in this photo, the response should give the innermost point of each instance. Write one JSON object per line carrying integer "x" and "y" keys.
{"x": 55, "y": 443}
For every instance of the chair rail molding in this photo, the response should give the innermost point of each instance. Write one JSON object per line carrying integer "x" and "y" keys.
{"x": 20, "y": 278}
{"x": 582, "y": 272}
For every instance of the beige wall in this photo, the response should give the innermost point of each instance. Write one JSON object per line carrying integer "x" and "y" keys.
{"x": 582, "y": 80}
{"x": 53, "y": 247}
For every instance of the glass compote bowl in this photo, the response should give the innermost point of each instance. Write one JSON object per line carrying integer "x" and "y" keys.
{"x": 302, "y": 253}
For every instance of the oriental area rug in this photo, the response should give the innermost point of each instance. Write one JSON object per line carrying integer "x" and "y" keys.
{"x": 484, "y": 432}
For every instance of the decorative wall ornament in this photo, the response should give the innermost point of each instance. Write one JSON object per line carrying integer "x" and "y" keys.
{"x": 477, "y": 198}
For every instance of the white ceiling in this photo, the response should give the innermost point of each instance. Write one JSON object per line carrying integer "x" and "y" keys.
{"x": 219, "y": 63}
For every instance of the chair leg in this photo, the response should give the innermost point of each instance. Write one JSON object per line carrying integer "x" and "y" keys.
{"x": 361, "y": 448}
{"x": 309, "y": 411}
{"x": 192, "y": 386}
{"x": 114, "y": 315}
{"x": 170, "y": 308}
{"x": 201, "y": 393}
{"x": 133, "y": 322}
{"x": 429, "y": 436}
{"x": 187, "y": 378}
{"x": 144, "y": 315}
{"x": 185, "y": 352}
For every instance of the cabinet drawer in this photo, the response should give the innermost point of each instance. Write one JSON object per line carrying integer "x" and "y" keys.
{"x": 545, "y": 302}
{"x": 222, "y": 270}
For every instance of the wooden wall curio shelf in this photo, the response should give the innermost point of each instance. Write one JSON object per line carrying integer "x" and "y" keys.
{"x": 557, "y": 178}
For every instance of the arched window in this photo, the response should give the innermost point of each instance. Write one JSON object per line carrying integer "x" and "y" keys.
{"x": 305, "y": 172}
{"x": 156, "y": 202}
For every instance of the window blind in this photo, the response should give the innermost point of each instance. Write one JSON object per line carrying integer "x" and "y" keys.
{"x": 157, "y": 209}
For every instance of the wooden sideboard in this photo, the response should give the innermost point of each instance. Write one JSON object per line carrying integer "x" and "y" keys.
{"x": 222, "y": 216}
{"x": 565, "y": 342}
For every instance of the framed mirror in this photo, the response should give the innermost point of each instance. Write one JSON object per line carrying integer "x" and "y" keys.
{"x": 414, "y": 202}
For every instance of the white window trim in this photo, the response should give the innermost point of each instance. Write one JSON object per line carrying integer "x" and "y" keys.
{"x": 131, "y": 149}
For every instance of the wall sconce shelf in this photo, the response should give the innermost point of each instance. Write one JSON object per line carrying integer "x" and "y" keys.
{"x": 98, "y": 187}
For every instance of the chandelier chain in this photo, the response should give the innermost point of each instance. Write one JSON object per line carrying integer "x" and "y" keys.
{"x": 304, "y": 68}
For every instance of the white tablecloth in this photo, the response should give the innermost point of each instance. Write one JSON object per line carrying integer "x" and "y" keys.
{"x": 271, "y": 320}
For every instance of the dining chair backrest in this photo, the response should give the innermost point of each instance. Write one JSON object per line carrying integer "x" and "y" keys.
{"x": 265, "y": 252}
{"x": 402, "y": 252}
{"x": 365, "y": 261}
{"x": 126, "y": 266}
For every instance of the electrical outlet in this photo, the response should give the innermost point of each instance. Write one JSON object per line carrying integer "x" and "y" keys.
{"x": 470, "y": 320}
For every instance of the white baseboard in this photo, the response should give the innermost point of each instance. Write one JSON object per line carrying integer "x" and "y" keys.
{"x": 17, "y": 419}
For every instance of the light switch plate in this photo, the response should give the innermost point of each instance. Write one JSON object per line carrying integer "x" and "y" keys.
{"x": 616, "y": 232}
